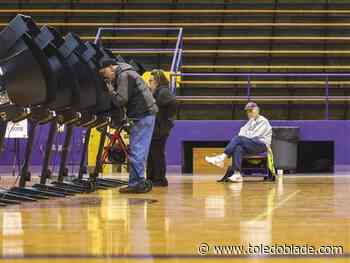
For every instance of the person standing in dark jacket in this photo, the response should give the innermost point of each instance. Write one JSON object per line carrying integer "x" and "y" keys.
{"x": 166, "y": 102}
{"x": 129, "y": 90}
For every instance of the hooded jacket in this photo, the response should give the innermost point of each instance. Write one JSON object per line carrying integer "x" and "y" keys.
{"x": 132, "y": 93}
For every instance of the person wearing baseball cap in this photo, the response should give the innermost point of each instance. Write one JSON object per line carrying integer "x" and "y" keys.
{"x": 253, "y": 138}
{"x": 128, "y": 90}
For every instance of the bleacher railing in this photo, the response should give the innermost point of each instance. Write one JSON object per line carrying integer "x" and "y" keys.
{"x": 177, "y": 51}
{"x": 177, "y": 61}
{"x": 326, "y": 97}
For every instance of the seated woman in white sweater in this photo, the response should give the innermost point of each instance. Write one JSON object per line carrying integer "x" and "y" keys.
{"x": 253, "y": 138}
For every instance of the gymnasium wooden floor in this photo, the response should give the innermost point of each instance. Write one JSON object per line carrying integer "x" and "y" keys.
{"x": 169, "y": 224}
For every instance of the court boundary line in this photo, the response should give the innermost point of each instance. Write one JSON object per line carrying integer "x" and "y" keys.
{"x": 269, "y": 211}
{"x": 164, "y": 256}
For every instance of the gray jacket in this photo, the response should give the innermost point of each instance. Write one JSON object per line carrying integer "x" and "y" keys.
{"x": 259, "y": 129}
{"x": 133, "y": 93}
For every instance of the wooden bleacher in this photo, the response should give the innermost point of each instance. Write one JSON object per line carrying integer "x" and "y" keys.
{"x": 239, "y": 36}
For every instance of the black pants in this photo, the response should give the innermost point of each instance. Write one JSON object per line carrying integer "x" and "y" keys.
{"x": 156, "y": 163}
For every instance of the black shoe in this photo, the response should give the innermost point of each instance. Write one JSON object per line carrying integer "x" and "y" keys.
{"x": 229, "y": 172}
{"x": 270, "y": 178}
{"x": 141, "y": 188}
{"x": 160, "y": 183}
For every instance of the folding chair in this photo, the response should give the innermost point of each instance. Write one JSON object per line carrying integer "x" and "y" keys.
{"x": 255, "y": 165}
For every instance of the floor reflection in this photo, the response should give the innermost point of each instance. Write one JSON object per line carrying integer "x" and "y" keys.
{"x": 177, "y": 219}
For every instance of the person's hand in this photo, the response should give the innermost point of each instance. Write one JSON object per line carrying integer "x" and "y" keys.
{"x": 110, "y": 86}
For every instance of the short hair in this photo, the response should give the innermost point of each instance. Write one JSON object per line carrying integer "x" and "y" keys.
{"x": 160, "y": 77}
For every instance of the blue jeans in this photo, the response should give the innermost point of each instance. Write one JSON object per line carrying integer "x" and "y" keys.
{"x": 241, "y": 145}
{"x": 140, "y": 141}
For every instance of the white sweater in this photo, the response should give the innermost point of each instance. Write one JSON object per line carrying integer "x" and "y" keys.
{"x": 259, "y": 128}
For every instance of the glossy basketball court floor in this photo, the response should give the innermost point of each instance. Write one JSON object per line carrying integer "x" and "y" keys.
{"x": 169, "y": 224}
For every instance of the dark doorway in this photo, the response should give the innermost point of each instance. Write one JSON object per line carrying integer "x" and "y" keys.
{"x": 315, "y": 157}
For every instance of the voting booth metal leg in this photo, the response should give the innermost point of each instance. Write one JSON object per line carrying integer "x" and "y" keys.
{"x": 99, "y": 165}
{"x": 3, "y": 126}
{"x": 89, "y": 184}
{"x": 82, "y": 165}
{"x": 45, "y": 170}
{"x": 63, "y": 171}
{"x": 6, "y": 196}
{"x": 25, "y": 174}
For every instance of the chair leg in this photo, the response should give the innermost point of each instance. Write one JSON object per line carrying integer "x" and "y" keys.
{"x": 270, "y": 177}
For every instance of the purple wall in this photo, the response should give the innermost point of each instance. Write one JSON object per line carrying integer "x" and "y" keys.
{"x": 7, "y": 157}
{"x": 337, "y": 131}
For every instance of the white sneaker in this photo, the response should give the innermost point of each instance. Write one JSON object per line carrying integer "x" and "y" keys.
{"x": 236, "y": 178}
{"x": 217, "y": 160}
